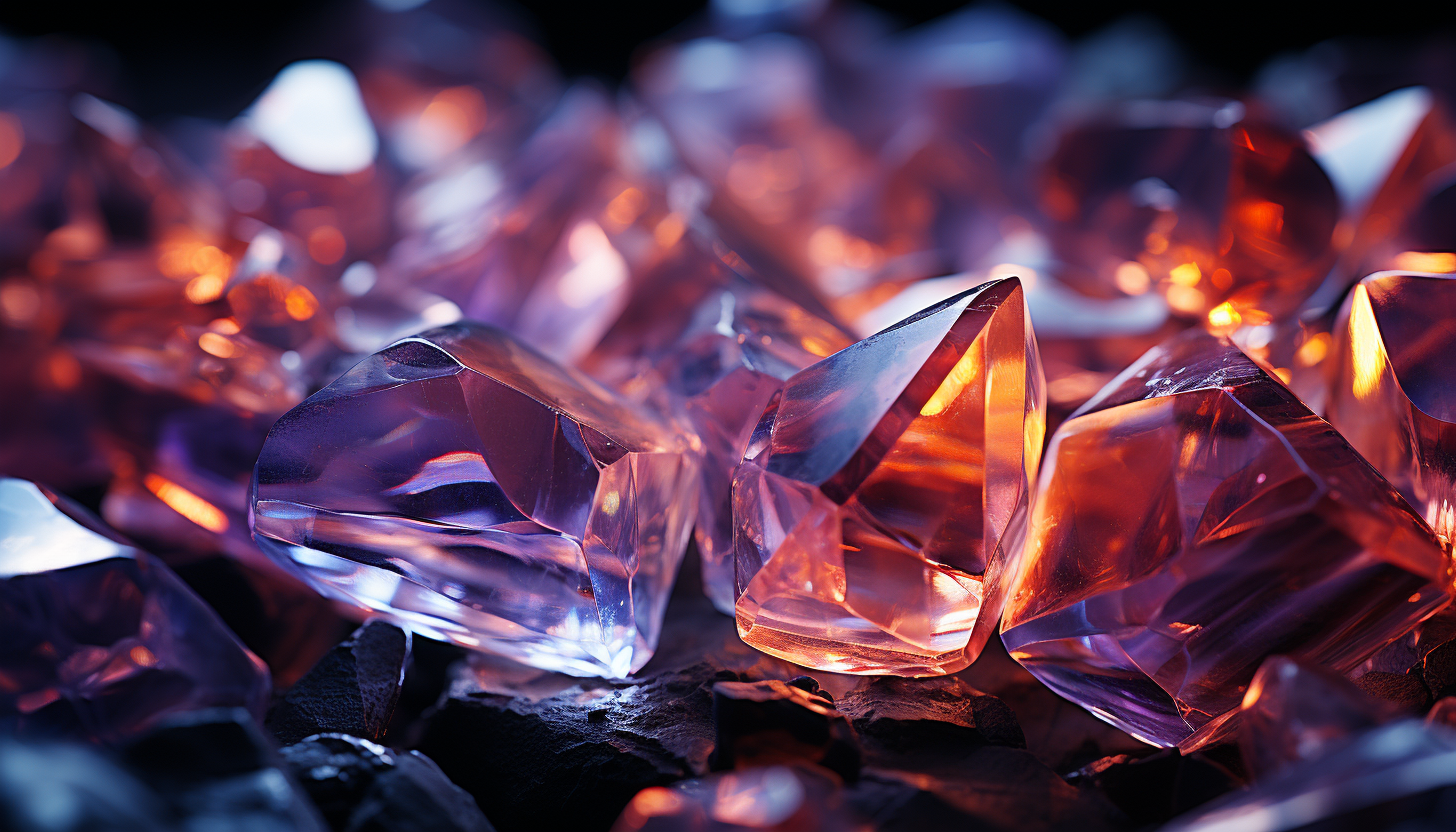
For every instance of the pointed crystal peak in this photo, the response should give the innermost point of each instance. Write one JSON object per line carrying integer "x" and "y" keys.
{"x": 884, "y": 488}
{"x": 1294, "y": 711}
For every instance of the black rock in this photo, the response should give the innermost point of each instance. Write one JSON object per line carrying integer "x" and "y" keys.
{"x": 1404, "y": 689}
{"x": 352, "y": 690}
{"x": 425, "y": 680}
{"x": 936, "y": 716}
{"x": 1159, "y": 786}
{"x": 217, "y": 772}
{"x": 55, "y": 787}
{"x": 770, "y": 722}
{"x": 1438, "y": 670}
{"x": 543, "y": 751}
{"x": 359, "y": 786}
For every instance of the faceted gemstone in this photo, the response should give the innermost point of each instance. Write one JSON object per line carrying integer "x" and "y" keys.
{"x": 884, "y": 489}
{"x": 1384, "y": 157}
{"x": 1193, "y": 519}
{"x": 1398, "y": 776}
{"x": 730, "y": 355}
{"x": 467, "y": 487}
{"x": 1295, "y": 712}
{"x": 102, "y": 640}
{"x": 1202, "y": 201}
{"x": 1297, "y": 350}
{"x": 1392, "y": 395}
{"x": 773, "y": 798}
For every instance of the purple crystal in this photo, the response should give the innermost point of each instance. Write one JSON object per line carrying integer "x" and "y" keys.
{"x": 466, "y": 486}
{"x": 102, "y": 639}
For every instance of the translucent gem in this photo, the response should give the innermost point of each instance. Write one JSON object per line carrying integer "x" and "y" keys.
{"x": 1392, "y": 393}
{"x": 1295, "y": 712}
{"x": 1193, "y": 519}
{"x": 1398, "y": 776}
{"x": 102, "y": 640}
{"x": 1215, "y": 205}
{"x": 771, "y": 798}
{"x": 884, "y": 489}
{"x": 472, "y": 490}
{"x": 727, "y": 361}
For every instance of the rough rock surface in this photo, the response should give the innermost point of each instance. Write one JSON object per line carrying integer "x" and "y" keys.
{"x": 352, "y": 690}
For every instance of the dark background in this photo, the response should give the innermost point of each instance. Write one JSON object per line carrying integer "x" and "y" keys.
{"x": 212, "y": 58}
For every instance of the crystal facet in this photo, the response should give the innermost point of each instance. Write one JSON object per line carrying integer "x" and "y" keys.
{"x": 1392, "y": 392}
{"x": 1193, "y": 519}
{"x": 1295, "y": 712}
{"x": 1203, "y": 201}
{"x": 473, "y": 490}
{"x": 101, "y": 639}
{"x": 885, "y": 487}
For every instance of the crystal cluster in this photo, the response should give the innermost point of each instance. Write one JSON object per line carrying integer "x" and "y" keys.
{"x": 431, "y": 334}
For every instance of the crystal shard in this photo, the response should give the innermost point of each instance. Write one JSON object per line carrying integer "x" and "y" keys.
{"x": 1194, "y": 518}
{"x": 1392, "y": 393}
{"x": 469, "y": 488}
{"x": 1213, "y": 203}
{"x": 884, "y": 488}
{"x": 102, "y": 640}
{"x": 770, "y": 799}
{"x": 1295, "y": 712}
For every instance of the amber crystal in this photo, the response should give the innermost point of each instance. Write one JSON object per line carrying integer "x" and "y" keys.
{"x": 1202, "y": 201}
{"x": 1194, "y": 518}
{"x": 885, "y": 487}
{"x": 1390, "y": 393}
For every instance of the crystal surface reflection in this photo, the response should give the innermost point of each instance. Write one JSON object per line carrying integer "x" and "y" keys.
{"x": 1193, "y": 519}
{"x": 101, "y": 639}
{"x": 470, "y": 488}
{"x": 885, "y": 487}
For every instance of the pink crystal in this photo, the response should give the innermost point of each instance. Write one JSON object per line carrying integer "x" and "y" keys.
{"x": 101, "y": 638}
{"x": 466, "y": 486}
{"x": 1193, "y": 519}
{"x": 884, "y": 489}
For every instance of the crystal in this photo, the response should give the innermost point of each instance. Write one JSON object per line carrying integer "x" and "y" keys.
{"x": 1393, "y": 777}
{"x": 1153, "y": 789}
{"x": 774, "y": 798}
{"x": 732, "y": 352}
{"x": 1389, "y": 395}
{"x": 1203, "y": 201}
{"x": 474, "y": 491}
{"x": 884, "y": 489}
{"x": 1293, "y": 712}
{"x": 102, "y": 639}
{"x": 1194, "y": 518}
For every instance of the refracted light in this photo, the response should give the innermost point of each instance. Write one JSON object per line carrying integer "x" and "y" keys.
{"x": 205, "y": 288}
{"x": 1132, "y": 278}
{"x": 1441, "y": 262}
{"x": 1224, "y": 316}
{"x": 669, "y": 230}
{"x": 187, "y": 504}
{"x": 218, "y": 345}
{"x": 1314, "y": 350}
{"x": 313, "y": 116}
{"x": 599, "y": 268}
{"x": 963, "y": 373}
{"x": 1367, "y": 351}
{"x": 326, "y": 245}
{"x": 1186, "y": 274}
{"x": 300, "y": 303}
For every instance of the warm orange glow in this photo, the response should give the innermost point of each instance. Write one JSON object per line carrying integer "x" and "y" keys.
{"x": 625, "y": 208}
{"x": 326, "y": 245}
{"x": 1221, "y": 279}
{"x": 1441, "y": 262}
{"x": 1263, "y": 218}
{"x": 142, "y": 657}
{"x": 669, "y": 230}
{"x": 1185, "y": 299}
{"x": 63, "y": 370}
{"x": 19, "y": 303}
{"x": 1132, "y": 278}
{"x": 12, "y": 139}
{"x": 1367, "y": 351}
{"x": 1314, "y": 350}
{"x": 1223, "y": 316}
{"x": 227, "y": 326}
{"x": 1155, "y": 243}
{"x": 205, "y": 288}
{"x": 300, "y": 303}
{"x": 963, "y": 373}
{"x": 187, "y": 504}
{"x": 1186, "y": 274}
{"x": 215, "y": 344}
{"x": 454, "y": 116}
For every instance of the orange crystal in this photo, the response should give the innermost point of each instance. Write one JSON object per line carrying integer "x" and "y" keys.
{"x": 885, "y": 487}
